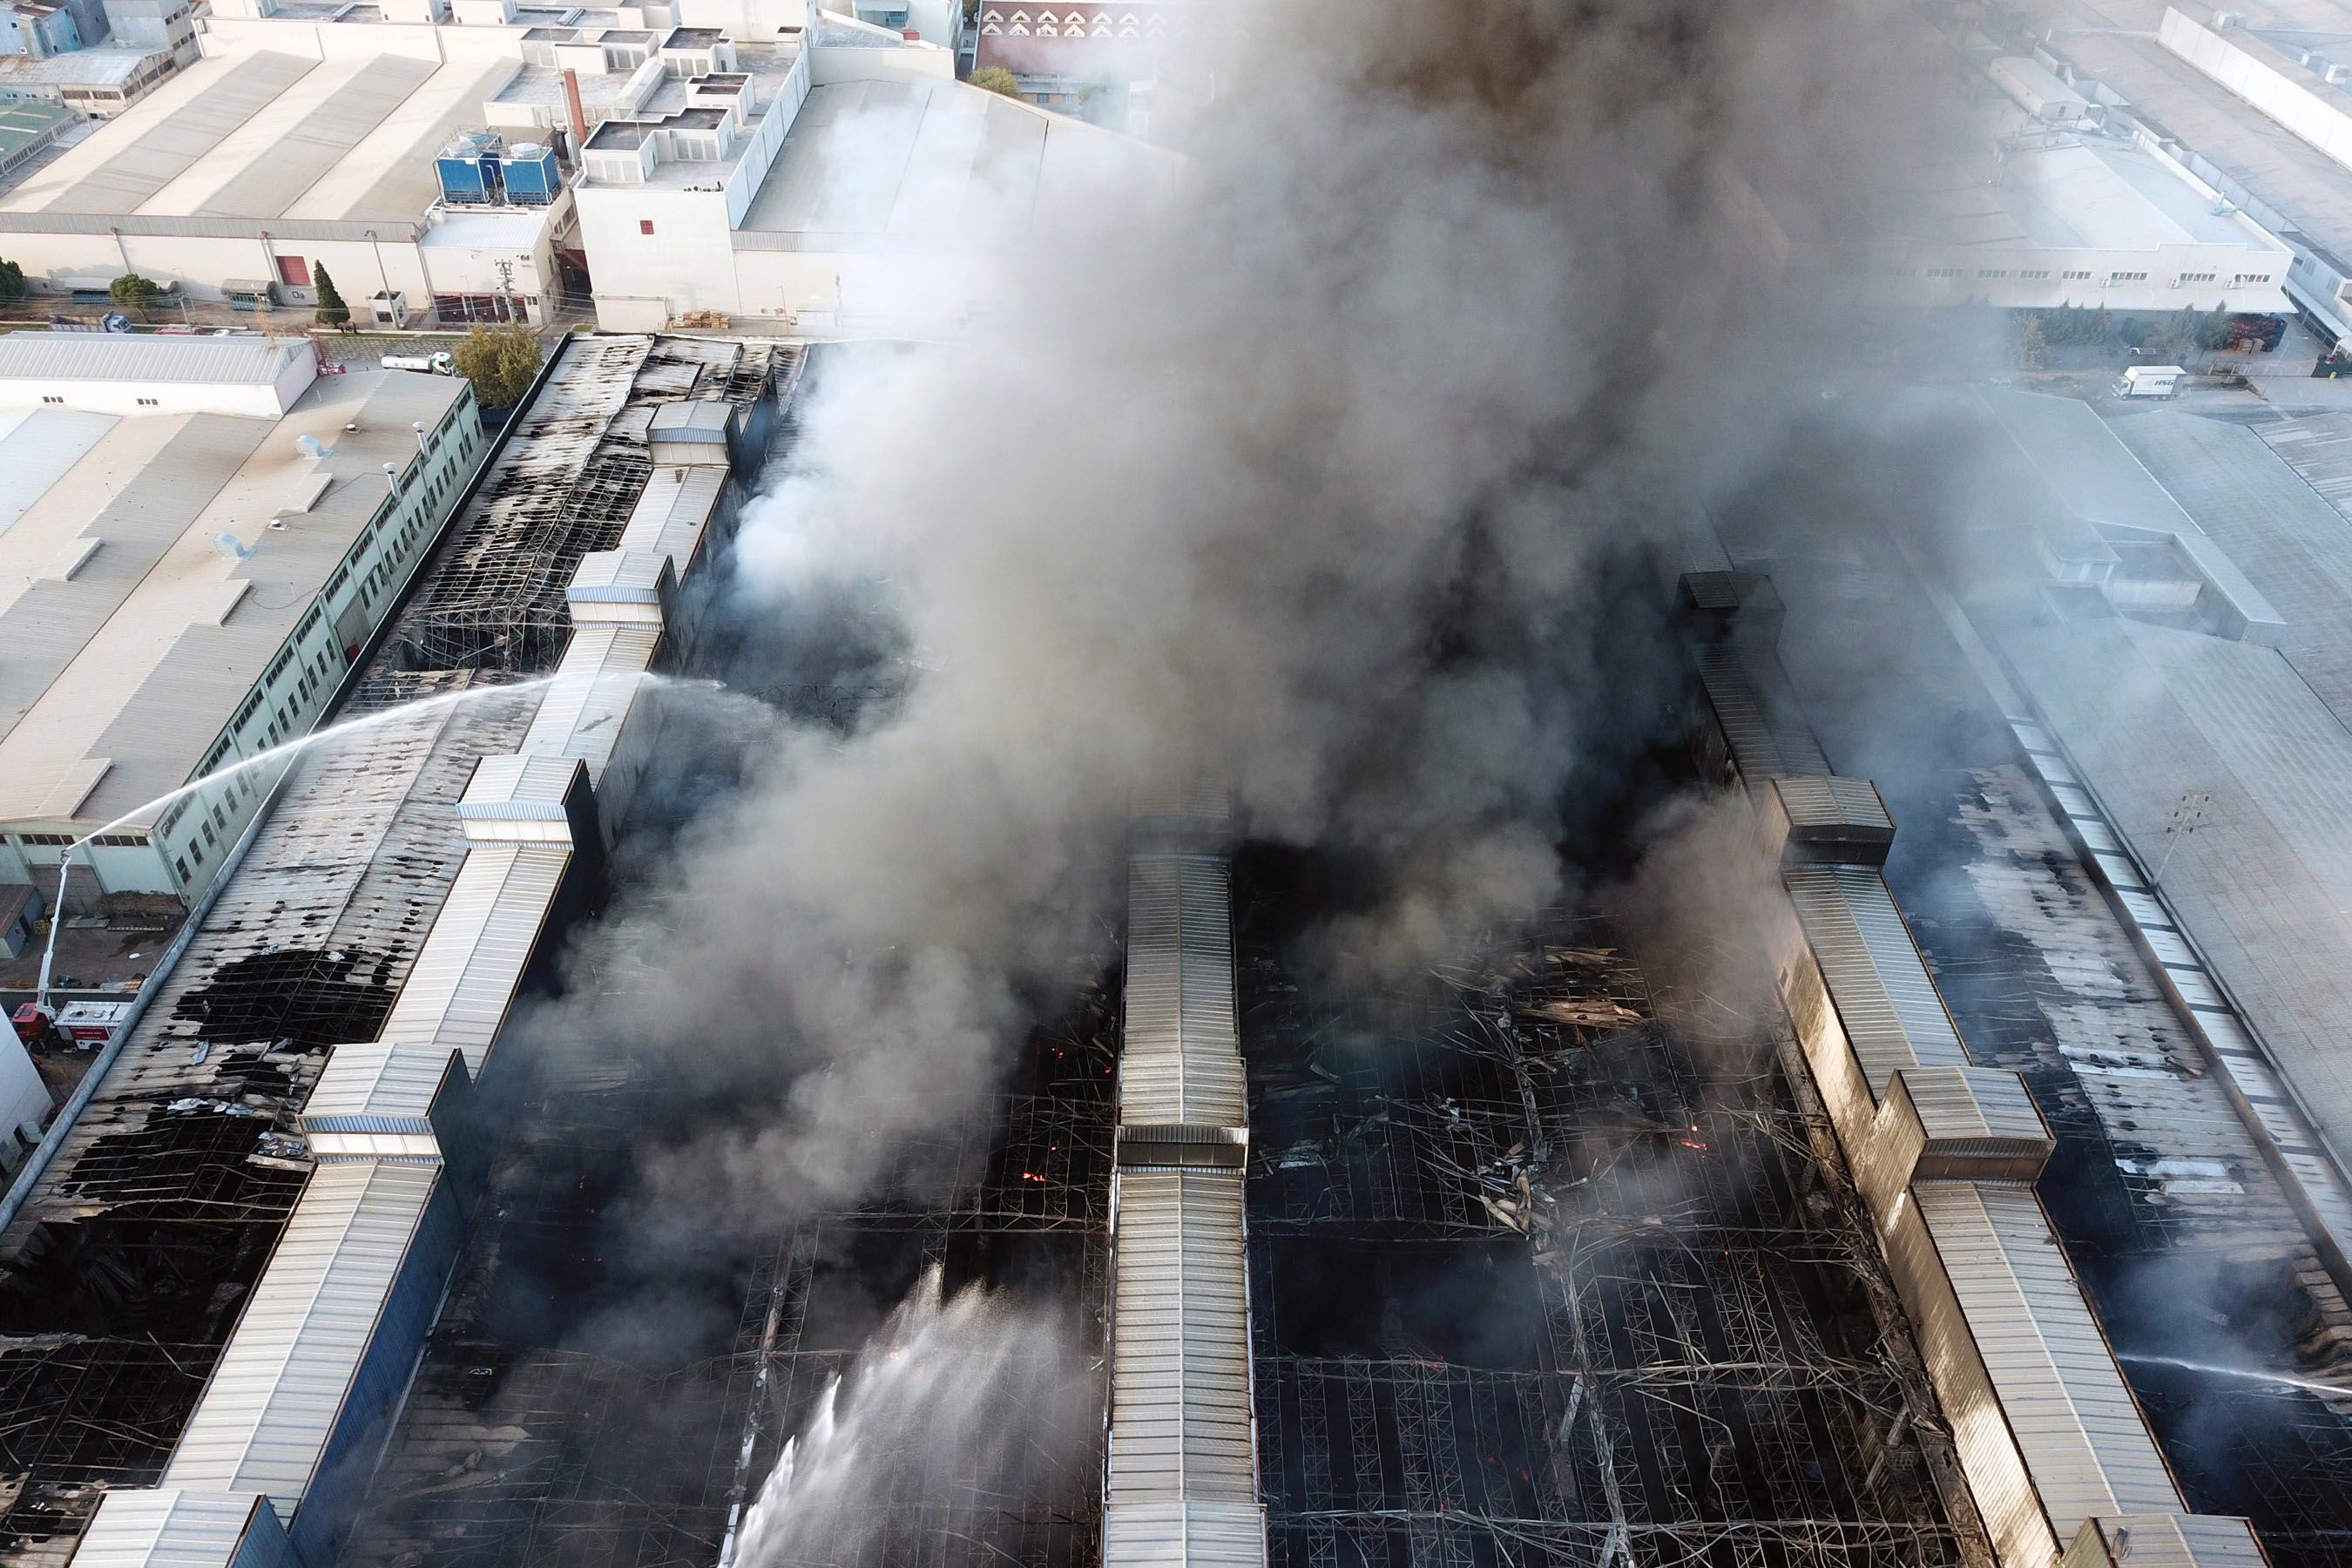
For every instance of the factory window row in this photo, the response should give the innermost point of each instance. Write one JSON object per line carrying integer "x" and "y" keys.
{"x": 2253, "y": 278}
{"x": 2194, "y": 278}
{"x": 48, "y": 840}
{"x": 121, "y": 841}
{"x": 2033, "y": 274}
{"x": 2127, "y": 277}
{"x": 2084, "y": 277}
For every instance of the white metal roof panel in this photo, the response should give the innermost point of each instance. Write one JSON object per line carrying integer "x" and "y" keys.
{"x": 2065, "y": 1401}
{"x": 177, "y": 1529}
{"x": 464, "y": 979}
{"x": 1148, "y": 1532}
{"x": 379, "y": 1080}
{"x": 139, "y": 152}
{"x": 37, "y": 446}
{"x": 2168, "y": 1541}
{"x": 1820, "y": 800}
{"x": 241, "y": 361}
{"x": 268, "y": 1412}
{"x": 674, "y": 512}
{"x": 1891, "y": 1010}
{"x": 588, "y": 706}
{"x": 1761, "y": 744}
{"x": 1180, "y": 1419}
{"x": 1182, "y": 1057}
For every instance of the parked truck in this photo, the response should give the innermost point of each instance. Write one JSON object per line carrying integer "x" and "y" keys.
{"x": 2150, "y": 381}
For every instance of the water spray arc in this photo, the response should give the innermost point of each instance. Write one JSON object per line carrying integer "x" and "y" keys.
{"x": 285, "y": 749}
{"x": 2254, "y": 1373}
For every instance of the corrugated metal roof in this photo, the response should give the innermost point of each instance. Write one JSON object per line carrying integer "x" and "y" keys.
{"x": 1890, "y": 1008}
{"x": 674, "y": 512}
{"x": 1203, "y": 795}
{"x": 584, "y": 710}
{"x": 518, "y": 798}
{"x": 178, "y": 1529}
{"x": 1180, "y": 1363}
{"x": 274, "y": 1396}
{"x": 390, "y": 1080}
{"x": 241, "y": 361}
{"x": 464, "y": 979}
{"x": 1181, "y": 1059}
{"x": 2073, "y": 1420}
{"x": 619, "y": 576}
{"x": 2167, "y": 1541}
{"x": 1761, "y": 744}
{"x": 1196, "y": 1534}
{"x": 1823, "y": 800}
{"x": 1973, "y": 1102}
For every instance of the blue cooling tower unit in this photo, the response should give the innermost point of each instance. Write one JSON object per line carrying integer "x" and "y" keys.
{"x": 468, "y": 168}
{"x": 533, "y": 179}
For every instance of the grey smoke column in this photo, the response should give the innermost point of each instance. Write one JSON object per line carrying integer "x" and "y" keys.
{"x": 1306, "y": 459}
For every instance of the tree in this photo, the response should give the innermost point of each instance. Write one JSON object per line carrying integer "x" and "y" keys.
{"x": 332, "y": 311}
{"x": 2032, "y": 344}
{"x": 12, "y": 283}
{"x": 501, "y": 363}
{"x": 995, "y": 78}
{"x": 134, "y": 292}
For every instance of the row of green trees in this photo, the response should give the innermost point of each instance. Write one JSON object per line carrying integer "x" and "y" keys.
{"x": 2084, "y": 324}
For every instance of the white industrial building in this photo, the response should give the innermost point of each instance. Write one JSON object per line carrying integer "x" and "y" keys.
{"x": 751, "y": 158}
{"x": 197, "y": 535}
{"x": 843, "y": 188}
{"x": 2070, "y": 214}
{"x": 289, "y": 147}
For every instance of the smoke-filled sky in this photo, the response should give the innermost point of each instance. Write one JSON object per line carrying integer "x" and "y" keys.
{"x": 1323, "y": 459}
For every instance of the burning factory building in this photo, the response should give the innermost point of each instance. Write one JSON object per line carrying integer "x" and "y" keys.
{"x": 1309, "y": 967}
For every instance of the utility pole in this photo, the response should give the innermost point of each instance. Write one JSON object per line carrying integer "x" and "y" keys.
{"x": 2187, "y": 818}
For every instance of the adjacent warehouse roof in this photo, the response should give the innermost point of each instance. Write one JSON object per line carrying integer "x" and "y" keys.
{"x": 133, "y": 633}
{"x": 27, "y": 128}
{"x": 2095, "y": 479}
{"x": 244, "y": 373}
{"x": 272, "y": 136}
